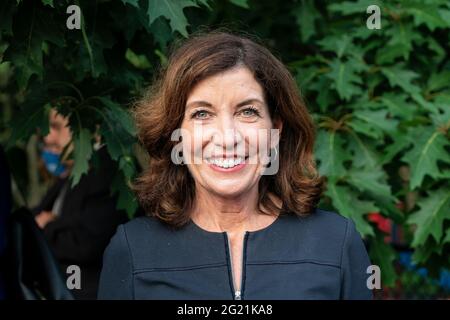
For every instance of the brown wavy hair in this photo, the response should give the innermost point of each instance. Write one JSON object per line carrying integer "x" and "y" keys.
{"x": 166, "y": 190}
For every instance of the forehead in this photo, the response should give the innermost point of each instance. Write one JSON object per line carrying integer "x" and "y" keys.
{"x": 236, "y": 83}
{"x": 55, "y": 117}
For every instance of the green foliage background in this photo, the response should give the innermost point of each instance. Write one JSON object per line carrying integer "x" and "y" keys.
{"x": 380, "y": 98}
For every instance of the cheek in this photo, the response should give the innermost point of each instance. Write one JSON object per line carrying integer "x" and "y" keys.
{"x": 257, "y": 138}
{"x": 65, "y": 136}
{"x": 193, "y": 141}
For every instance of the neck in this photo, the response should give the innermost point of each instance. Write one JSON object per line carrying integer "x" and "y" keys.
{"x": 232, "y": 215}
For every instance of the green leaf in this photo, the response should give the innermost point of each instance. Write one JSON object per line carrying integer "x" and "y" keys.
{"x": 345, "y": 79}
{"x": 352, "y": 7}
{"x": 441, "y": 113}
{"x": 398, "y": 106}
{"x": 171, "y": 10}
{"x": 429, "y": 220}
{"x": 82, "y": 155}
{"x": 127, "y": 166}
{"x": 383, "y": 255}
{"x": 134, "y": 3}
{"x": 447, "y": 237}
{"x": 439, "y": 52}
{"x": 400, "y": 44}
{"x": 33, "y": 115}
{"x": 130, "y": 19}
{"x": 426, "y": 14}
{"x": 305, "y": 76}
{"x": 48, "y": 2}
{"x": 330, "y": 153}
{"x": 240, "y": 3}
{"x": 125, "y": 197}
{"x": 401, "y": 142}
{"x": 372, "y": 181}
{"x": 388, "y": 53}
{"x": 163, "y": 35}
{"x": 403, "y": 78}
{"x": 306, "y": 15}
{"x": 93, "y": 50}
{"x": 348, "y": 205}
{"x": 32, "y": 29}
{"x": 445, "y": 15}
{"x": 426, "y": 253}
{"x": 139, "y": 61}
{"x": 340, "y": 45}
{"x": 421, "y": 254}
{"x": 363, "y": 153}
{"x": 27, "y": 60}
{"x": 417, "y": 97}
{"x": 428, "y": 148}
{"x": 325, "y": 95}
{"x": 373, "y": 123}
{"x": 439, "y": 81}
{"x": 117, "y": 129}
{"x": 118, "y": 114}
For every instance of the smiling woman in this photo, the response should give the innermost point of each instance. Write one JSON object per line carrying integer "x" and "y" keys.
{"x": 226, "y": 214}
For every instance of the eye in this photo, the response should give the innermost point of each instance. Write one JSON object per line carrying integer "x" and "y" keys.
{"x": 249, "y": 112}
{"x": 200, "y": 115}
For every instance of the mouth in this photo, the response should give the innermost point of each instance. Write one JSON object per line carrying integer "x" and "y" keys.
{"x": 227, "y": 164}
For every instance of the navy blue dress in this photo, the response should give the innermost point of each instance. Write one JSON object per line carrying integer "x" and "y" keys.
{"x": 320, "y": 256}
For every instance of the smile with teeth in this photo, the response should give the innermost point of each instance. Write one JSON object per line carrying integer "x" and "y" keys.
{"x": 226, "y": 163}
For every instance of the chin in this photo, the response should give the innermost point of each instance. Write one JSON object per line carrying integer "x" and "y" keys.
{"x": 228, "y": 184}
{"x": 234, "y": 190}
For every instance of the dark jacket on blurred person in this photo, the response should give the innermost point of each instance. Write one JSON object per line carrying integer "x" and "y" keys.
{"x": 86, "y": 220}
{"x": 5, "y": 210}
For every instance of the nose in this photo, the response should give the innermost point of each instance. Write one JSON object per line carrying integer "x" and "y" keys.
{"x": 50, "y": 137}
{"x": 226, "y": 135}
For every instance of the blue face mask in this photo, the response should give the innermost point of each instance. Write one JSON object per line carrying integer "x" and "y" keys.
{"x": 53, "y": 163}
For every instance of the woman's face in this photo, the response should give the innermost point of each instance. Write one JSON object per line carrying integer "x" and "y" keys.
{"x": 226, "y": 131}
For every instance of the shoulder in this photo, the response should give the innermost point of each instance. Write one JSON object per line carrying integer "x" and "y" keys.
{"x": 327, "y": 224}
{"x": 320, "y": 236}
{"x": 324, "y": 218}
{"x": 144, "y": 235}
{"x": 136, "y": 231}
{"x": 137, "y": 236}
{"x": 143, "y": 229}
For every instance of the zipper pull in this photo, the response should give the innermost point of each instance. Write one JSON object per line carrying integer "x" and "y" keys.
{"x": 237, "y": 295}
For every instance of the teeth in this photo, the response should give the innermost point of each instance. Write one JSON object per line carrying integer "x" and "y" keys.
{"x": 226, "y": 163}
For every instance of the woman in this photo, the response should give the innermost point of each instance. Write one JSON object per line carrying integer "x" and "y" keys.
{"x": 232, "y": 207}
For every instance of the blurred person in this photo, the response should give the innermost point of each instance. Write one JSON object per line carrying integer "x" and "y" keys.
{"x": 77, "y": 222}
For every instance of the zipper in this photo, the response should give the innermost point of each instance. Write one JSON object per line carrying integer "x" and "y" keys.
{"x": 237, "y": 294}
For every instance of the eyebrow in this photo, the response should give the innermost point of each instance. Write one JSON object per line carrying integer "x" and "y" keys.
{"x": 207, "y": 104}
